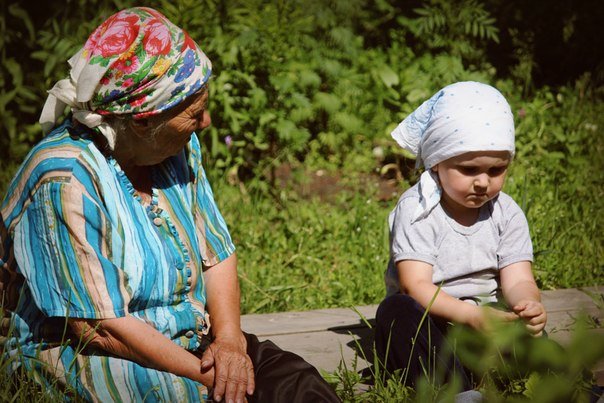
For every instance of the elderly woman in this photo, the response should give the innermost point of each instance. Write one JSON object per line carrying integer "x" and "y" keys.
{"x": 114, "y": 257}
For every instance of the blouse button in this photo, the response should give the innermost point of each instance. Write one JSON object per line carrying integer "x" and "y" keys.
{"x": 189, "y": 334}
{"x": 158, "y": 221}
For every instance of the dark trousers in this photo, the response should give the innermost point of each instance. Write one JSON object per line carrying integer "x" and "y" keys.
{"x": 282, "y": 376}
{"x": 397, "y": 321}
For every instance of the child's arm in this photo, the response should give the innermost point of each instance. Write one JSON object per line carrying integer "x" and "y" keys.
{"x": 522, "y": 295}
{"x": 415, "y": 278}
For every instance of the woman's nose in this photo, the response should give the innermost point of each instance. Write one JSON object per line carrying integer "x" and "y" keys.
{"x": 205, "y": 120}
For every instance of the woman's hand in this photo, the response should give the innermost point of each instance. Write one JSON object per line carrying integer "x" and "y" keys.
{"x": 226, "y": 356}
{"x": 234, "y": 372}
{"x": 534, "y": 315}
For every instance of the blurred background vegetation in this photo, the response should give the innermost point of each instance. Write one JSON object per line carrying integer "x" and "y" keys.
{"x": 303, "y": 96}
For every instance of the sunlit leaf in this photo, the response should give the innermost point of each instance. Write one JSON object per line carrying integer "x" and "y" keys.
{"x": 388, "y": 76}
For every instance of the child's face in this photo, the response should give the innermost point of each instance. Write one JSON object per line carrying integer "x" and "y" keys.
{"x": 472, "y": 179}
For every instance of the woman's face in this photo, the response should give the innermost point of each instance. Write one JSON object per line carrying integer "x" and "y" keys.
{"x": 175, "y": 132}
{"x": 472, "y": 179}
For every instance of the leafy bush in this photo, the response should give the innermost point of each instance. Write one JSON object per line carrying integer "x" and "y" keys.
{"x": 514, "y": 366}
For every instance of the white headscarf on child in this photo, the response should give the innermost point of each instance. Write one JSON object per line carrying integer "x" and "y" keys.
{"x": 462, "y": 117}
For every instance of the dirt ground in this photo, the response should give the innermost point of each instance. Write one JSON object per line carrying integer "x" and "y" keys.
{"x": 326, "y": 185}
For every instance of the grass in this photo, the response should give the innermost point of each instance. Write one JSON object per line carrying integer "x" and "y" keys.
{"x": 299, "y": 254}
{"x": 21, "y": 388}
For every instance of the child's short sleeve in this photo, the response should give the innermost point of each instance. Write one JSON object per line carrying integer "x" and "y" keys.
{"x": 411, "y": 241}
{"x": 515, "y": 244}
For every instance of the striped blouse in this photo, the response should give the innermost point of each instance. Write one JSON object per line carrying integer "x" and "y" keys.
{"x": 76, "y": 241}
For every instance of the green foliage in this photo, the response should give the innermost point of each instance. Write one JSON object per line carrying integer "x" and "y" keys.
{"x": 514, "y": 366}
{"x": 508, "y": 364}
{"x": 292, "y": 80}
{"x": 21, "y": 388}
{"x": 461, "y": 29}
{"x": 547, "y": 42}
{"x": 291, "y": 77}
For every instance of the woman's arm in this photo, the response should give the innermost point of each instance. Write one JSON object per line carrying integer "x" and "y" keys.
{"x": 228, "y": 352}
{"x": 415, "y": 278}
{"x": 135, "y": 340}
{"x": 522, "y": 295}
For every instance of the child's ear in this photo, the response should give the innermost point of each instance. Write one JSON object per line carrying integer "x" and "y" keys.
{"x": 140, "y": 127}
{"x": 434, "y": 168}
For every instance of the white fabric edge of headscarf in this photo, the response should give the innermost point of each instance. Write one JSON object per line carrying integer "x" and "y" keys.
{"x": 63, "y": 95}
{"x": 429, "y": 195}
{"x": 401, "y": 135}
{"x": 429, "y": 188}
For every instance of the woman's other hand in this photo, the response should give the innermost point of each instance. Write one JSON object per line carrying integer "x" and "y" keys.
{"x": 234, "y": 372}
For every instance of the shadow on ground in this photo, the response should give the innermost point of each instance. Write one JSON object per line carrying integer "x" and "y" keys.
{"x": 362, "y": 342}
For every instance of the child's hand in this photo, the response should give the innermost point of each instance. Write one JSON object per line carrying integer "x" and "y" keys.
{"x": 486, "y": 316}
{"x": 534, "y": 315}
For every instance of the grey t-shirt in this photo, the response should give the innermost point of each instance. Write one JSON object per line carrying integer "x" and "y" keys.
{"x": 466, "y": 260}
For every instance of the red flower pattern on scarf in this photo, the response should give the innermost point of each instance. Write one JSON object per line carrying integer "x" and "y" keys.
{"x": 115, "y": 36}
{"x": 157, "y": 38}
{"x": 126, "y": 66}
{"x": 188, "y": 43}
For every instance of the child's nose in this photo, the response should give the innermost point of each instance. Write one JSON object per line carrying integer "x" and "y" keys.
{"x": 481, "y": 181}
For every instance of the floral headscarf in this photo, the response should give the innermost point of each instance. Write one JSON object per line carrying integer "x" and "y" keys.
{"x": 136, "y": 62}
{"x": 462, "y": 117}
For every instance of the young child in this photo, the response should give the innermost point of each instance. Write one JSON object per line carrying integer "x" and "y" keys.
{"x": 455, "y": 229}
